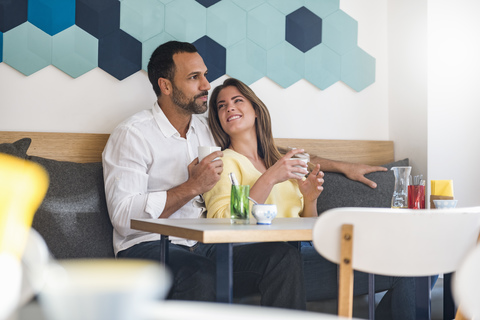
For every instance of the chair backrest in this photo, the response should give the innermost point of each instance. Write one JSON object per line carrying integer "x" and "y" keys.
{"x": 400, "y": 242}
{"x": 466, "y": 285}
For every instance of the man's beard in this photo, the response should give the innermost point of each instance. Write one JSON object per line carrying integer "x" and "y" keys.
{"x": 192, "y": 106}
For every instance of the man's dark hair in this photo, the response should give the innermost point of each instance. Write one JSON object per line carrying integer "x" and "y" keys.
{"x": 161, "y": 63}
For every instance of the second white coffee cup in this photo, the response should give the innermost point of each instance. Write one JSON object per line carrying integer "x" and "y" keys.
{"x": 204, "y": 151}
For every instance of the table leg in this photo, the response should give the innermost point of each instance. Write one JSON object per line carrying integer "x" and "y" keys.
{"x": 164, "y": 249}
{"x": 371, "y": 296}
{"x": 423, "y": 297}
{"x": 225, "y": 272}
{"x": 448, "y": 303}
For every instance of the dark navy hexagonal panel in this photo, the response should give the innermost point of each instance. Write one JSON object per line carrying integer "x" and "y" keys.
{"x": 1, "y": 47}
{"x": 214, "y": 56}
{"x": 12, "y": 14}
{"x": 303, "y": 29}
{"x": 98, "y": 18}
{"x": 51, "y": 16}
{"x": 120, "y": 54}
{"x": 207, "y": 3}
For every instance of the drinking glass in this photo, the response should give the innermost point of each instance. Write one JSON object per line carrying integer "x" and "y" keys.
{"x": 239, "y": 205}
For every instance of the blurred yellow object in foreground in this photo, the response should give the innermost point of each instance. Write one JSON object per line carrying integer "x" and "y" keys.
{"x": 23, "y": 185}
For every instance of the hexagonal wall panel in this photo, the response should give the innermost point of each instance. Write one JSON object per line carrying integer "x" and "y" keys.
{"x": 120, "y": 54}
{"x": 219, "y": 23}
{"x": 246, "y": 61}
{"x": 248, "y": 5}
{"x": 207, "y": 3}
{"x": 322, "y": 8}
{"x": 358, "y": 69}
{"x": 322, "y": 66}
{"x": 1, "y": 46}
{"x": 12, "y": 14}
{"x": 27, "y": 48}
{"x": 142, "y": 19}
{"x": 214, "y": 56}
{"x": 98, "y": 18}
{"x": 266, "y": 26}
{"x": 303, "y": 29}
{"x": 51, "y": 16}
{"x": 75, "y": 51}
{"x": 150, "y": 45}
{"x": 186, "y": 20}
{"x": 286, "y": 6}
{"x": 340, "y": 32}
{"x": 285, "y": 64}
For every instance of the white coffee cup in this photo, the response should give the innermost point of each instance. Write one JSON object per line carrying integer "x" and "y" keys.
{"x": 304, "y": 159}
{"x": 204, "y": 151}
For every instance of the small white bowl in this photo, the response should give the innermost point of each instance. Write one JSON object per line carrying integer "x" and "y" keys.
{"x": 264, "y": 213}
{"x": 445, "y": 204}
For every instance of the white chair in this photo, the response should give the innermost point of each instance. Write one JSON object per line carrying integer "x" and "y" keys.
{"x": 466, "y": 285}
{"x": 394, "y": 242}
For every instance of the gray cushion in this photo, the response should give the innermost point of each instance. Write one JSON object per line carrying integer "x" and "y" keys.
{"x": 18, "y": 148}
{"x": 339, "y": 191}
{"x": 73, "y": 218}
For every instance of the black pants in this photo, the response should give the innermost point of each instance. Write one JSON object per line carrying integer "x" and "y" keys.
{"x": 275, "y": 270}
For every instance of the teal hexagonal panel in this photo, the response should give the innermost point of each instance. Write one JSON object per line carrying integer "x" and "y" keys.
{"x": 322, "y": 8}
{"x": 266, "y": 26}
{"x": 248, "y": 5}
{"x": 150, "y": 45}
{"x": 27, "y": 48}
{"x": 1, "y": 46}
{"x": 286, "y": 6}
{"x": 219, "y": 23}
{"x": 358, "y": 69}
{"x": 322, "y": 66}
{"x": 74, "y": 51}
{"x": 142, "y": 19}
{"x": 246, "y": 61}
{"x": 185, "y": 20}
{"x": 340, "y": 32}
{"x": 285, "y": 64}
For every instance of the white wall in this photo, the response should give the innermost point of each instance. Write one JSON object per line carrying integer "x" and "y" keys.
{"x": 49, "y": 100}
{"x": 454, "y": 96}
{"x": 407, "y": 68}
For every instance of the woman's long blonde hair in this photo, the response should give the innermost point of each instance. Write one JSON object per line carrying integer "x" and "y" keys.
{"x": 266, "y": 147}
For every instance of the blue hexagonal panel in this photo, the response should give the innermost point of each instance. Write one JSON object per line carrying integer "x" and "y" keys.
{"x": 207, "y": 3}
{"x": 285, "y": 64}
{"x": 303, "y": 29}
{"x": 286, "y": 6}
{"x": 340, "y": 32}
{"x": 266, "y": 26}
{"x": 219, "y": 23}
{"x": 214, "y": 56}
{"x": 322, "y": 8}
{"x": 120, "y": 54}
{"x": 186, "y": 20}
{"x": 98, "y": 18}
{"x": 246, "y": 61}
{"x": 142, "y": 19}
{"x": 322, "y": 66}
{"x": 150, "y": 45}
{"x": 12, "y": 14}
{"x": 51, "y": 16}
{"x": 27, "y": 48}
{"x": 74, "y": 51}
{"x": 358, "y": 69}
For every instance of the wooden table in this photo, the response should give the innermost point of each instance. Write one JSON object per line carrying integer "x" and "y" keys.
{"x": 224, "y": 234}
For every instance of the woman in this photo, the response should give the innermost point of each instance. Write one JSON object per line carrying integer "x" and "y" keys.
{"x": 240, "y": 124}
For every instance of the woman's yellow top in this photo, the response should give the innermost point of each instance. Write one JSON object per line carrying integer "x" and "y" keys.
{"x": 285, "y": 195}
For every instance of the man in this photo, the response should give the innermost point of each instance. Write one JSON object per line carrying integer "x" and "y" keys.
{"x": 151, "y": 170}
